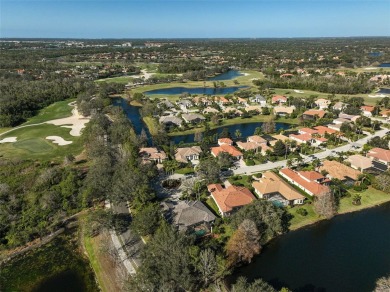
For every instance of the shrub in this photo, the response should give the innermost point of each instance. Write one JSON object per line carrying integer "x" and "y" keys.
{"x": 302, "y": 212}
{"x": 250, "y": 162}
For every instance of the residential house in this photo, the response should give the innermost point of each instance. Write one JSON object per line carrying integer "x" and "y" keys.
{"x": 385, "y": 113}
{"x": 313, "y": 114}
{"x": 226, "y": 141}
{"x": 335, "y": 127}
{"x": 256, "y": 139}
{"x": 279, "y": 99}
{"x": 339, "y": 171}
{"x": 187, "y": 154}
{"x": 277, "y": 137}
{"x": 311, "y": 182}
{"x": 193, "y": 118}
{"x": 351, "y": 118}
{"x": 322, "y": 130}
{"x": 284, "y": 110}
{"x": 233, "y": 111}
{"x": 230, "y": 199}
{"x": 184, "y": 103}
{"x": 339, "y": 106}
{"x": 152, "y": 154}
{"x": 301, "y": 138}
{"x": 228, "y": 149}
{"x": 367, "y": 110}
{"x": 359, "y": 162}
{"x": 322, "y": 103}
{"x": 189, "y": 216}
{"x": 222, "y": 101}
{"x": 272, "y": 188}
{"x": 255, "y": 108}
{"x": 380, "y": 155}
{"x": 165, "y": 103}
{"x": 210, "y": 110}
{"x": 259, "y": 99}
{"x": 171, "y": 121}
{"x": 242, "y": 101}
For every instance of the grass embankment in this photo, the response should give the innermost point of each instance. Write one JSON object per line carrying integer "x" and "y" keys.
{"x": 212, "y": 206}
{"x": 152, "y": 125}
{"x": 370, "y": 198}
{"x": 103, "y": 266}
{"x": 58, "y": 110}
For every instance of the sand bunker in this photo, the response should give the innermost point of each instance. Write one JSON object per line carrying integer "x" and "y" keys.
{"x": 298, "y": 91}
{"x": 58, "y": 140}
{"x": 8, "y": 140}
{"x": 76, "y": 122}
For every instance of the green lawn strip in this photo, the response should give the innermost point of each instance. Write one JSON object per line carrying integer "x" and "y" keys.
{"x": 370, "y": 198}
{"x": 93, "y": 259}
{"x": 212, "y": 206}
{"x": 2, "y": 130}
{"x": 186, "y": 170}
{"x": 152, "y": 125}
{"x": 58, "y": 110}
{"x": 32, "y": 143}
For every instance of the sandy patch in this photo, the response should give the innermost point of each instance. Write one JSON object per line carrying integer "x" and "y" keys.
{"x": 298, "y": 91}
{"x": 76, "y": 122}
{"x": 378, "y": 95}
{"x": 245, "y": 74}
{"x": 370, "y": 68}
{"x": 145, "y": 75}
{"x": 58, "y": 140}
{"x": 8, "y": 140}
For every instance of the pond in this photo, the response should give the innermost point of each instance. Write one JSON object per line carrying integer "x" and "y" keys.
{"x": 62, "y": 282}
{"x": 245, "y": 129}
{"x": 347, "y": 253}
{"x": 384, "y": 91}
{"x": 195, "y": 90}
{"x": 384, "y": 65}
{"x": 228, "y": 75}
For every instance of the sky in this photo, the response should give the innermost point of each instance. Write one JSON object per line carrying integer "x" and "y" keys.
{"x": 193, "y": 18}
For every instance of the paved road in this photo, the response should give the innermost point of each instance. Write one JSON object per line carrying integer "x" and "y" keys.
{"x": 131, "y": 242}
{"x": 320, "y": 155}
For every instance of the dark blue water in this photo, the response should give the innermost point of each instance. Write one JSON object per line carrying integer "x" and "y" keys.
{"x": 384, "y": 65}
{"x": 231, "y": 74}
{"x": 195, "y": 90}
{"x": 133, "y": 114}
{"x": 375, "y": 54}
{"x": 245, "y": 129}
{"x": 348, "y": 253}
{"x": 384, "y": 91}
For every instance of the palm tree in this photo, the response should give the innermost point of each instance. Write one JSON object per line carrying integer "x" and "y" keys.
{"x": 238, "y": 134}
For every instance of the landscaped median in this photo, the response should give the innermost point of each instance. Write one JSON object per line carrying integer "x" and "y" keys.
{"x": 369, "y": 198}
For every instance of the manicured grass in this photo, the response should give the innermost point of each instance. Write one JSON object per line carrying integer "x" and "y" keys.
{"x": 152, "y": 125}
{"x": 298, "y": 220}
{"x": 2, "y": 130}
{"x": 212, "y": 206}
{"x": 57, "y": 110}
{"x": 32, "y": 144}
{"x": 370, "y": 198}
{"x": 93, "y": 260}
{"x": 186, "y": 170}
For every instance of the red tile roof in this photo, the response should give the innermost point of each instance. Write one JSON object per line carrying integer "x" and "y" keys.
{"x": 379, "y": 153}
{"x": 279, "y": 98}
{"x": 226, "y": 148}
{"x": 302, "y": 137}
{"x": 231, "y": 197}
{"x": 225, "y": 141}
{"x": 322, "y": 130}
{"x": 313, "y": 187}
{"x": 319, "y": 113}
{"x": 367, "y": 108}
{"x": 308, "y": 131}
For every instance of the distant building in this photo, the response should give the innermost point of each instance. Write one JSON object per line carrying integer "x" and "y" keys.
{"x": 193, "y": 118}
{"x": 313, "y": 114}
{"x": 339, "y": 171}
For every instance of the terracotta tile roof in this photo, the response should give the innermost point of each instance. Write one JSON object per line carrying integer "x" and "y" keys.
{"x": 313, "y": 187}
{"x": 301, "y": 137}
{"x": 319, "y": 113}
{"x": 322, "y": 130}
{"x": 152, "y": 153}
{"x": 311, "y": 175}
{"x": 226, "y": 148}
{"x": 339, "y": 170}
{"x": 284, "y": 109}
{"x": 379, "y": 153}
{"x": 248, "y": 145}
{"x": 225, "y": 141}
{"x": 308, "y": 131}
{"x": 256, "y": 139}
{"x": 272, "y": 183}
{"x": 279, "y": 98}
{"x": 359, "y": 161}
{"x": 232, "y": 197}
{"x": 367, "y": 108}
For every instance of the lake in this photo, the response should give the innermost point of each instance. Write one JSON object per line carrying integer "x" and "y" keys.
{"x": 231, "y": 74}
{"x": 245, "y": 129}
{"x": 347, "y": 253}
{"x": 383, "y": 91}
{"x": 384, "y": 65}
{"x": 62, "y": 282}
{"x": 195, "y": 90}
